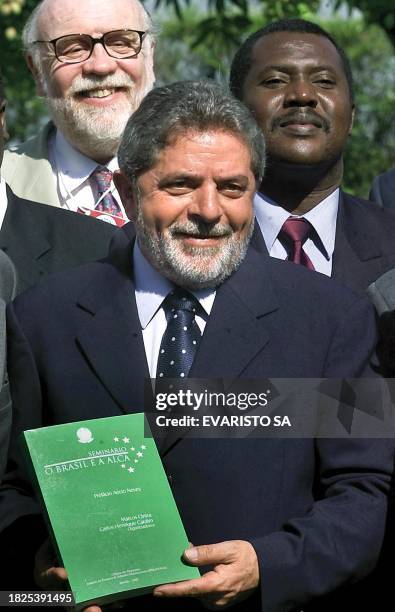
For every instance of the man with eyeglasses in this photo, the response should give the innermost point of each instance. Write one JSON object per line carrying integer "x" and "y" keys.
{"x": 40, "y": 239}
{"x": 92, "y": 60}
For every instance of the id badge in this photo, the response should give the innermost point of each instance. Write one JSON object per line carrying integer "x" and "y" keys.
{"x": 103, "y": 216}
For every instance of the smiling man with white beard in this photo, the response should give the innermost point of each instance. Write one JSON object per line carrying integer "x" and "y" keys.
{"x": 93, "y": 63}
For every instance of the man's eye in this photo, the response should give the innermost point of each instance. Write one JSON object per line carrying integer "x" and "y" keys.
{"x": 179, "y": 184}
{"x": 70, "y": 49}
{"x": 273, "y": 82}
{"x": 232, "y": 190}
{"x": 177, "y": 187}
{"x": 327, "y": 83}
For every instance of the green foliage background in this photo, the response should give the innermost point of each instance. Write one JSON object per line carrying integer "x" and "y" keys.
{"x": 200, "y": 42}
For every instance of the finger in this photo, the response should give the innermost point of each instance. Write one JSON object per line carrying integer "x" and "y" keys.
{"x": 47, "y": 574}
{"x": 211, "y": 554}
{"x": 208, "y": 583}
{"x": 53, "y": 577}
{"x": 214, "y": 604}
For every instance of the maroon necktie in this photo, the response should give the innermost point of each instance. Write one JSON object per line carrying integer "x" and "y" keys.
{"x": 294, "y": 233}
{"x": 102, "y": 177}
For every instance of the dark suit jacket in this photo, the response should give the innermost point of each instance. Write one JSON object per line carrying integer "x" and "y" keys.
{"x": 383, "y": 189}
{"x": 364, "y": 244}
{"x": 41, "y": 239}
{"x": 313, "y": 509}
{"x": 7, "y": 293}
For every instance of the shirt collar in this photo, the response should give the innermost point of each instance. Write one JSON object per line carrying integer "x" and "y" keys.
{"x": 152, "y": 288}
{"x": 74, "y": 166}
{"x": 3, "y": 200}
{"x": 322, "y": 217}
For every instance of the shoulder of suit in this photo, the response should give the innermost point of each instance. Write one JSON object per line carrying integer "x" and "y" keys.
{"x": 387, "y": 177}
{"x": 66, "y": 294}
{"x": 27, "y": 169}
{"x": 298, "y": 284}
{"x": 383, "y": 189}
{"x": 64, "y": 220}
{"x": 35, "y": 147}
{"x": 369, "y": 211}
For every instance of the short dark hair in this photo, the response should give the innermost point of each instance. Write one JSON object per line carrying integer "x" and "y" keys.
{"x": 242, "y": 61}
{"x": 172, "y": 110}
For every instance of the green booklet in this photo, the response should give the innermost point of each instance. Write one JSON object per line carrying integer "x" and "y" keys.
{"x": 109, "y": 506}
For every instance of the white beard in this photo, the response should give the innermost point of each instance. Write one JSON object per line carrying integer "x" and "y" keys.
{"x": 193, "y": 267}
{"x": 93, "y": 130}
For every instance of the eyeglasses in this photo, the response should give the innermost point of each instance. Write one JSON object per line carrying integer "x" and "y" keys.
{"x": 76, "y": 48}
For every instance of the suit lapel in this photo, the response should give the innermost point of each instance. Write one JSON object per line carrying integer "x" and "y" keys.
{"x": 111, "y": 338}
{"x": 258, "y": 241}
{"x": 235, "y": 333}
{"x": 237, "y": 329}
{"x": 23, "y": 239}
{"x": 356, "y": 242}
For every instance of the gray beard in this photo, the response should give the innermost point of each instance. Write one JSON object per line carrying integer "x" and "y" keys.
{"x": 192, "y": 267}
{"x": 94, "y": 132}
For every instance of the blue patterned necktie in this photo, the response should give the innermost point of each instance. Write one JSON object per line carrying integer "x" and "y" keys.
{"x": 102, "y": 178}
{"x": 181, "y": 337}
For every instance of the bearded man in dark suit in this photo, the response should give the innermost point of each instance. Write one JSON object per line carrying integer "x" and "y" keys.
{"x": 283, "y": 522}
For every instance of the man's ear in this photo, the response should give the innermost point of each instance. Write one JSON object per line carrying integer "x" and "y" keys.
{"x": 3, "y": 123}
{"x": 37, "y": 75}
{"x": 126, "y": 192}
{"x": 149, "y": 63}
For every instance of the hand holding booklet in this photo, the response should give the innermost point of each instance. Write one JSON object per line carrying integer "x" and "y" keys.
{"x": 110, "y": 510}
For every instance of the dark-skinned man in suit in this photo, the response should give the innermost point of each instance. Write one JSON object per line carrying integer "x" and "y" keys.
{"x": 297, "y": 81}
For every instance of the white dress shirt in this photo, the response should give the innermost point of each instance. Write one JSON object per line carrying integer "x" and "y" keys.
{"x": 322, "y": 217}
{"x": 151, "y": 288}
{"x": 3, "y": 200}
{"x": 72, "y": 170}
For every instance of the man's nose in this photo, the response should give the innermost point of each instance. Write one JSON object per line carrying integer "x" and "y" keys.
{"x": 300, "y": 92}
{"x": 206, "y": 204}
{"x": 99, "y": 62}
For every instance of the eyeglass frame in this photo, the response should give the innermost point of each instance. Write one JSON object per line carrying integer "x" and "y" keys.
{"x": 94, "y": 41}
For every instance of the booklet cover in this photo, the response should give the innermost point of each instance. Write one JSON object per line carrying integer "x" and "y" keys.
{"x": 109, "y": 506}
